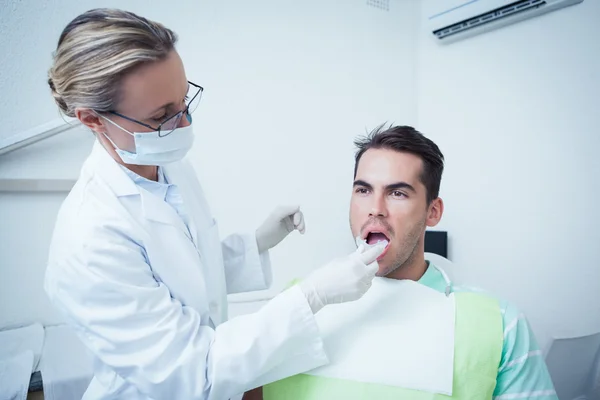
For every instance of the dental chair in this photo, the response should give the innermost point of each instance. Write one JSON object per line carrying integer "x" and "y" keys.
{"x": 574, "y": 365}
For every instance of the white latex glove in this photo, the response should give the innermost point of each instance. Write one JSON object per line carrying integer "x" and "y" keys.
{"x": 344, "y": 279}
{"x": 282, "y": 221}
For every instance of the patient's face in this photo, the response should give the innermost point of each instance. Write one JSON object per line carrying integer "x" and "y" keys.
{"x": 389, "y": 202}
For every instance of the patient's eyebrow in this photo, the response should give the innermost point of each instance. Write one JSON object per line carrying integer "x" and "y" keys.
{"x": 359, "y": 182}
{"x": 400, "y": 185}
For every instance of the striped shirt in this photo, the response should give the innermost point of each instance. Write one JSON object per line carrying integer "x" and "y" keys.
{"x": 522, "y": 373}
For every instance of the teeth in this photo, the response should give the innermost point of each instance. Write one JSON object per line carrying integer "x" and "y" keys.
{"x": 363, "y": 245}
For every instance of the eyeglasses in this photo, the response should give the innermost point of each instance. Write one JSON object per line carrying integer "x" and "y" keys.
{"x": 169, "y": 124}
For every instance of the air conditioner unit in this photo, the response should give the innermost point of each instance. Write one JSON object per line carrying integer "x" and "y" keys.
{"x": 452, "y": 20}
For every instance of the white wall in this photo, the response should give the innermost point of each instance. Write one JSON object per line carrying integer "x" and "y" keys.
{"x": 515, "y": 112}
{"x": 288, "y": 85}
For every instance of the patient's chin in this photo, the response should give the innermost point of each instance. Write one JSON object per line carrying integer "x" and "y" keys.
{"x": 388, "y": 267}
{"x": 385, "y": 263}
{"x": 384, "y": 269}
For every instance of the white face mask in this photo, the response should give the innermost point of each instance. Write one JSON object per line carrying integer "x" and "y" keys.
{"x": 151, "y": 149}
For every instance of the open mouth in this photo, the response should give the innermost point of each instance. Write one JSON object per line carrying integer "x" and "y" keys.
{"x": 375, "y": 237}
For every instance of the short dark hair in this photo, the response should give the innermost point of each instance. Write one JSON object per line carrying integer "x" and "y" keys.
{"x": 407, "y": 139}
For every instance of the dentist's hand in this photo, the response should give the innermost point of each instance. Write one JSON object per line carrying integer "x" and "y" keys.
{"x": 282, "y": 221}
{"x": 342, "y": 280}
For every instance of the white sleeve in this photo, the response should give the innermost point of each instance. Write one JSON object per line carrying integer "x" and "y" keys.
{"x": 246, "y": 269}
{"x": 132, "y": 324}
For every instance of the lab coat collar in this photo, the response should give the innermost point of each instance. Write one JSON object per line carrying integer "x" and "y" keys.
{"x": 106, "y": 167}
{"x": 153, "y": 208}
{"x": 157, "y": 210}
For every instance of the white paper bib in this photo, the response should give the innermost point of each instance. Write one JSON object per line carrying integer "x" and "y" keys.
{"x": 400, "y": 333}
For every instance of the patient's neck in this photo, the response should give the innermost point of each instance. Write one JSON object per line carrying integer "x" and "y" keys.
{"x": 413, "y": 269}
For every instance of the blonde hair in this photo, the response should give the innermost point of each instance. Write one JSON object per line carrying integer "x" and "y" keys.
{"x": 96, "y": 50}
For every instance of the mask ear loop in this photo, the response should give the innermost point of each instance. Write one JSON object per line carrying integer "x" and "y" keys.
{"x": 118, "y": 126}
{"x": 111, "y": 142}
{"x": 115, "y": 124}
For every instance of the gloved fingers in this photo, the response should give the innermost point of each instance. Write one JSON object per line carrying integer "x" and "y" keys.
{"x": 299, "y": 223}
{"x": 289, "y": 223}
{"x": 371, "y": 254}
{"x": 285, "y": 211}
{"x": 372, "y": 269}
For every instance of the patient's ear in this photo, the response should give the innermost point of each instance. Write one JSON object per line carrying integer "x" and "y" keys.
{"x": 435, "y": 211}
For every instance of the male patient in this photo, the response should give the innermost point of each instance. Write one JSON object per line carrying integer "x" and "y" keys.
{"x": 397, "y": 177}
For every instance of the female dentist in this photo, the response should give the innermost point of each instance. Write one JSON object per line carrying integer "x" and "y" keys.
{"x": 136, "y": 264}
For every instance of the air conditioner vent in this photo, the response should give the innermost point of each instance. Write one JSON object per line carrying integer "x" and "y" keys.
{"x": 490, "y": 16}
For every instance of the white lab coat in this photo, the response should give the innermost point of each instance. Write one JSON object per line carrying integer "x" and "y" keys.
{"x": 150, "y": 302}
